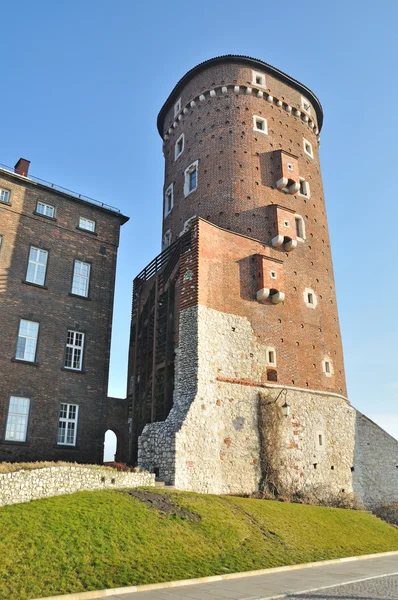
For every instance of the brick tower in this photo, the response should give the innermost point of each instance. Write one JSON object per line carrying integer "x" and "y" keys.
{"x": 236, "y": 363}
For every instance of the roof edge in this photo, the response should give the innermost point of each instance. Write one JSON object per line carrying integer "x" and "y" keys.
{"x": 238, "y": 58}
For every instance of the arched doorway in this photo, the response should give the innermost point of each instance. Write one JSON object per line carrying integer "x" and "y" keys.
{"x": 110, "y": 446}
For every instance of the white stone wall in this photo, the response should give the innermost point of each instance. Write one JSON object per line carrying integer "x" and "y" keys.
{"x": 23, "y": 486}
{"x": 225, "y": 437}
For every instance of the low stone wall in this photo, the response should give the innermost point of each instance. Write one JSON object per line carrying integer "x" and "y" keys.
{"x": 23, "y": 486}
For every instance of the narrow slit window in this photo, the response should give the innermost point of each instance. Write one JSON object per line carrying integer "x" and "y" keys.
{"x": 168, "y": 200}
{"x": 179, "y": 147}
{"x": 177, "y": 107}
{"x": 320, "y": 439}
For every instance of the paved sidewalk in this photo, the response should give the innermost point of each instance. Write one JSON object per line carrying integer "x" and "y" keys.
{"x": 262, "y": 587}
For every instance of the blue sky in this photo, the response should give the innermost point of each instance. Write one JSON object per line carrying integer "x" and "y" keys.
{"x": 83, "y": 81}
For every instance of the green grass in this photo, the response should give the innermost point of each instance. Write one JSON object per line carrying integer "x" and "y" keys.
{"x": 96, "y": 540}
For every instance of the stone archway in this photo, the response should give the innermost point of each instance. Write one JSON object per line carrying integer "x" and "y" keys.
{"x": 110, "y": 446}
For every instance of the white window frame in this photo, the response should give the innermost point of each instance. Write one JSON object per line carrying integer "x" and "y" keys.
{"x": 83, "y": 222}
{"x": 327, "y": 361}
{"x": 300, "y": 238}
{"x": 169, "y": 192}
{"x": 286, "y": 223}
{"x": 166, "y": 241}
{"x": 320, "y": 441}
{"x": 262, "y": 120}
{"x": 36, "y": 266}
{"x": 309, "y": 152}
{"x": 258, "y": 74}
{"x": 177, "y": 107}
{"x": 270, "y": 360}
{"x": 27, "y": 340}
{"x": 47, "y": 208}
{"x": 187, "y": 178}
{"x": 76, "y": 350}
{"x": 178, "y": 153}
{"x": 70, "y": 423}
{"x": 273, "y": 274}
{"x": 17, "y": 419}
{"x": 5, "y": 196}
{"x": 306, "y": 293}
{"x": 306, "y": 186}
{"x": 81, "y": 280}
{"x": 305, "y": 105}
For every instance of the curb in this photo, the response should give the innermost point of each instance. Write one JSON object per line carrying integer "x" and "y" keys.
{"x": 171, "y": 584}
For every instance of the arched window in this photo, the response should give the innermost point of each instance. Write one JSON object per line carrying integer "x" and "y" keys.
{"x": 110, "y": 445}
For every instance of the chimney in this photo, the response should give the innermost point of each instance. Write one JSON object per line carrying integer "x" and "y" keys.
{"x": 22, "y": 167}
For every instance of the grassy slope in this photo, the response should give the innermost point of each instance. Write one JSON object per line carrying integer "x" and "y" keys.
{"x": 94, "y": 540}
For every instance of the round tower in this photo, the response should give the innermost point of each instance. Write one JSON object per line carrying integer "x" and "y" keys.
{"x": 241, "y": 143}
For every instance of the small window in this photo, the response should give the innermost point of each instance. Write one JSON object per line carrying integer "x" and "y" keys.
{"x": 290, "y": 166}
{"x": 260, "y": 124}
{"x": 45, "y": 209}
{"x": 258, "y": 79}
{"x": 305, "y": 105}
{"x": 27, "y": 340}
{"x": 168, "y": 200}
{"x": 87, "y": 224}
{"x": 320, "y": 439}
{"x": 300, "y": 227}
{"x": 271, "y": 357}
{"x": 177, "y": 107}
{"x": 304, "y": 188}
{"x": 179, "y": 147}
{"x": 327, "y": 367}
{"x": 17, "y": 419}
{"x": 272, "y": 274}
{"x": 1, "y": 241}
{"x": 4, "y": 195}
{"x": 286, "y": 223}
{"x": 191, "y": 178}
{"x": 74, "y": 350}
{"x": 310, "y": 298}
{"x": 37, "y": 266}
{"x": 308, "y": 148}
{"x": 166, "y": 240}
{"x": 67, "y": 424}
{"x": 81, "y": 278}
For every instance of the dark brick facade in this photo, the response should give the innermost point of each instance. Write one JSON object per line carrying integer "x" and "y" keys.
{"x": 45, "y": 381}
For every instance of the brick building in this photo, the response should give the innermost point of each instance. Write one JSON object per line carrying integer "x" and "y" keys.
{"x": 236, "y": 373}
{"x": 57, "y": 271}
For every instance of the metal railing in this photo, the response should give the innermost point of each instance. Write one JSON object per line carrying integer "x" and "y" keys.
{"x": 161, "y": 260}
{"x": 58, "y": 188}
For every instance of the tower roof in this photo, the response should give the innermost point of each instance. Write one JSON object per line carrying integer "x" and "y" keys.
{"x": 247, "y": 60}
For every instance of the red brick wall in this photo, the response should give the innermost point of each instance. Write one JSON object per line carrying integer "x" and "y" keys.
{"x": 56, "y": 311}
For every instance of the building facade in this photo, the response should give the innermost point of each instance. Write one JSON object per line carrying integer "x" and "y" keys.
{"x": 57, "y": 271}
{"x": 236, "y": 372}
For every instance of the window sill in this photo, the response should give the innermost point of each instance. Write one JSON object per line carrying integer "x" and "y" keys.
{"x": 25, "y": 362}
{"x": 78, "y": 296}
{"x": 87, "y": 231}
{"x": 36, "y": 285}
{"x": 14, "y": 443}
{"x": 73, "y": 371}
{"x": 66, "y": 447}
{"x": 5, "y": 203}
{"x": 44, "y": 216}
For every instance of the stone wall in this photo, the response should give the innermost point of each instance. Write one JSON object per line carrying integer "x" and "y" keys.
{"x": 23, "y": 486}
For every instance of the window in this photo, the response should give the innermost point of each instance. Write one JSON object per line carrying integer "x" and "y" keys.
{"x": 81, "y": 278}
{"x": 272, "y": 274}
{"x": 37, "y": 266}
{"x": 286, "y": 223}
{"x": 17, "y": 419}
{"x": 258, "y": 79}
{"x": 290, "y": 167}
{"x": 191, "y": 178}
{"x": 45, "y": 209}
{"x": 308, "y": 148}
{"x": 27, "y": 340}
{"x": 320, "y": 439}
{"x": 310, "y": 299}
{"x": 304, "y": 188}
{"x": 260, "y": 124}
{"x": 177, "y": 107}
{"x": 168, "y": 200}
{"x": 305, "y": 105}
{"x": 67, "y": 424}
{"x": 4, "y": 195}
{"x": 179, "y": 147}
{"x": 300, "y": 227}
{"x": 1, "y": 241}
{"x": 327, "y": 367}
{"x": 87, "y": 224}
{"x": 74, "y": 350}
{"x": 271, "y": 357}
{"x": 166, "y": 240}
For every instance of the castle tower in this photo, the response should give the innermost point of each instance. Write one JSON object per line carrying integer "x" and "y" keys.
{"x": 238, "y": 315}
